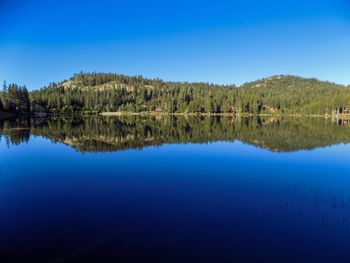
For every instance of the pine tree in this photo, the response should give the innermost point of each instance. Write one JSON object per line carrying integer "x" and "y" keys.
{"x": 1, "y": 104}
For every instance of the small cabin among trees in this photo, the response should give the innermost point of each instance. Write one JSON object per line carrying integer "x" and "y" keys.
{"x": 269, "y": 109}
{"x": 232, "y": 110}
{"x": 343, "y": 110}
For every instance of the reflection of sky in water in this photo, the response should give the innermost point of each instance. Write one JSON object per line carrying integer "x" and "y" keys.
{"x": 215, "y": 197}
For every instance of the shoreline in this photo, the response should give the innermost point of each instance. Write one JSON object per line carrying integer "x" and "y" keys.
{"x": 122, "y": 113}
{"x": 6, "y": 115}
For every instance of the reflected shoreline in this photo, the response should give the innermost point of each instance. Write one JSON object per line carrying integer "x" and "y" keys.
{"x": 116, "y": 133}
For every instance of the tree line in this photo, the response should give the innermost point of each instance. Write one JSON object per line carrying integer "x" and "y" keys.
{"x": 109, "y": 92}
{"x": 14, "y": 99}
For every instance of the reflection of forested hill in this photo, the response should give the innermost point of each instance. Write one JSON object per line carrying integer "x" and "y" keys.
{"x": 100, "y": 134}
{"x": 134, "y": 132}
{"x": 293, "y": 134}
{"x": 15, "y": 131}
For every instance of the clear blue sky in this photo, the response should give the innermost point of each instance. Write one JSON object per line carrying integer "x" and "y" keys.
{"x": 218, "y": 41}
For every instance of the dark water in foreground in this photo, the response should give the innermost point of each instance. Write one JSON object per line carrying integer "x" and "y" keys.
{"x": 144, "y": 189}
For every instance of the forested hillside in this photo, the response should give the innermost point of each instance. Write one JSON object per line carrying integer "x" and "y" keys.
{"x": 101, "y": 92}
{"x": 294, "y": 95}
{"x": 112, "y": 92}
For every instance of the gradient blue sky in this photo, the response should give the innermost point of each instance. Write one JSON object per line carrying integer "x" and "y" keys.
{"x": 214, "y": 41}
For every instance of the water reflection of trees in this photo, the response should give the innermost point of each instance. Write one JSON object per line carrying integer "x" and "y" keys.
{"x": 100, "y": 134}
{"x": 15, "y": 131}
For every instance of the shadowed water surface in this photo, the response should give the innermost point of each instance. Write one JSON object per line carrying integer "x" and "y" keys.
{"x": 174, "y": 189}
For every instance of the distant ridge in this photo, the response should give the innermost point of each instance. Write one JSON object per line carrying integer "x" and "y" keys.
{"x": 109, "y": 92}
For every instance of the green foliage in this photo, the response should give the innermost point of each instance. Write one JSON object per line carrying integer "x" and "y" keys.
{"x": 1, "y": 105}
{"x": 289, "y": 94}
{"x": 112, "y": 92}
{"x": 14, "y": 99}
{"x": 92, "y": 92}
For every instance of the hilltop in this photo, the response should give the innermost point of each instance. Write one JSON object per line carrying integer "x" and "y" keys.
{"x": 297, "y": 95}
{"x": 108, "y": 92}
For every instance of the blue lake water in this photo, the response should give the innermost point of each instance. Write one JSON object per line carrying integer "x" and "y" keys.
{"x": 182, "y": 198}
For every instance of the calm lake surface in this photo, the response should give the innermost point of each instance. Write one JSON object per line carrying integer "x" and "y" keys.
{"x": 174, "y": 189}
